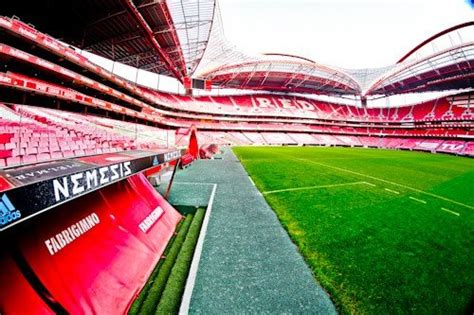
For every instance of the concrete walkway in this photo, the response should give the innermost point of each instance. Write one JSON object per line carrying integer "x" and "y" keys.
{"x": 248, "y": 262}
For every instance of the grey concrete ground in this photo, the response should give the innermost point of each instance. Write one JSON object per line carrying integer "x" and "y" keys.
{"x": 248, "y": 262}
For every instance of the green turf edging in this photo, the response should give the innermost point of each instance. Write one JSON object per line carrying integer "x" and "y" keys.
{"x": 137, "y": 304}
{"x": 158, "y": 284}
{"x": 171, "y": 298}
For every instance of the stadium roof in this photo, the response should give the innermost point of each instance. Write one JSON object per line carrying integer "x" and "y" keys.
{"x": 186, "y": 38}
{"x": 166, "y": 37}
{"x": 443, "y": 61}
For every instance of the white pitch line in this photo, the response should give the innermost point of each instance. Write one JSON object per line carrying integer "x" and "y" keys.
{"x": 191, "y": 280}
{"x": 312, "y": 187}
{"x": 192, "y": 183}
{"x": 392, "y": 191}
{"x": 450, "y": 211}
{"x": 370, "y": 184}
{"x": 418, "y": 200}
{"x": 389, "y": 182}
{"x": 250, "y": 178}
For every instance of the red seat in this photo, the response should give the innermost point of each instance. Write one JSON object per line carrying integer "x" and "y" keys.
{"x": 56, "y": 155}
{"x": 5, "y": 154}
{"x": 29, "y": 159}
{"x": 13, "y": 160}
{"x": 31, "y": 151}
{"x": 10, "y": 145}
{"x": 5, "y": 137}
{"x": 43, "y": 149}
{"x": 186, "y": 159}
{"x": 44, "y": 157}
{"x": 68, "y": 153}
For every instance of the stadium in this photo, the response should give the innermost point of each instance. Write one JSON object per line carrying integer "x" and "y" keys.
{"x": 148, "y": 165}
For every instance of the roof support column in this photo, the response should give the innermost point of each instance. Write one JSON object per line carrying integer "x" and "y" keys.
{"x": 151, "y": 38}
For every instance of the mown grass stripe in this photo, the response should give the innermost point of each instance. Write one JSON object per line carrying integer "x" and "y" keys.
{"x": 156, "y": 290}
{"x": 137, "y": 304}
{"x": 311, "y": 187}
{"x": 171, "y": 297}
{"x": 191, "y": 281}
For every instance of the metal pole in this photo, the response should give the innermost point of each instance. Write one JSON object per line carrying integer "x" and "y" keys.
{"x": 172, "y": 178}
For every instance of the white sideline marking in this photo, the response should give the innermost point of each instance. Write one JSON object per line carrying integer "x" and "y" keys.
{"x": 392, "y": 191}
{"x": 191, "y": 280}
{"x": 250, "y": 178}
{"x": 191, "y": 183}
{"x": 452, "y": 212}
{"x": 418, "y": 200}
{"x": 389, "y": 182}
{"x": 312, "y": 187}
{"x": 370, "y": 184}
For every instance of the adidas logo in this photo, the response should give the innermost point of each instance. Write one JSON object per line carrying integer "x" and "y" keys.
{"x": 8, "y": 213}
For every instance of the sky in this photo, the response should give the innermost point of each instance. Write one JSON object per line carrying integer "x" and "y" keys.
{"x": 344, "y": 33}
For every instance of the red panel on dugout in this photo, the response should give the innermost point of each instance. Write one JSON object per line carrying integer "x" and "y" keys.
{"x": 86, "y": 259}
{"x": 4, "y": 184}
{"x": 150, "y": 195}
{"x": 17, "y": 296}
{"x": 142, "y": 211}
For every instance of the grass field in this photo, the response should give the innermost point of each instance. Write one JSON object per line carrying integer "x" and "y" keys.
{"x": 383, "y": 231}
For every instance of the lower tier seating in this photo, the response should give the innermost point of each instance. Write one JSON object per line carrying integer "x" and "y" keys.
{"x": 31, "y": 134}
{"x": 457, "y": 147}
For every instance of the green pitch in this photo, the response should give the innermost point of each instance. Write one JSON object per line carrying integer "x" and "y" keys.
{"x": 383, "y": 231}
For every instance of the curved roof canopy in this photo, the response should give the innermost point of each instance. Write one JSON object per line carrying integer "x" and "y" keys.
{"x": 283, "y": 74}
{"x": 166, "y": 37}
{"x": 444, "y": 61}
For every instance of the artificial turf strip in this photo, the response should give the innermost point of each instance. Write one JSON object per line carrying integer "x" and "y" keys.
{"x": 137, "y": 304}
{"x": 155, "y": 291}
{"x": 373, "y": 250}
{"x": 248, "y": 263}
{"x": 171, "y": 298}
